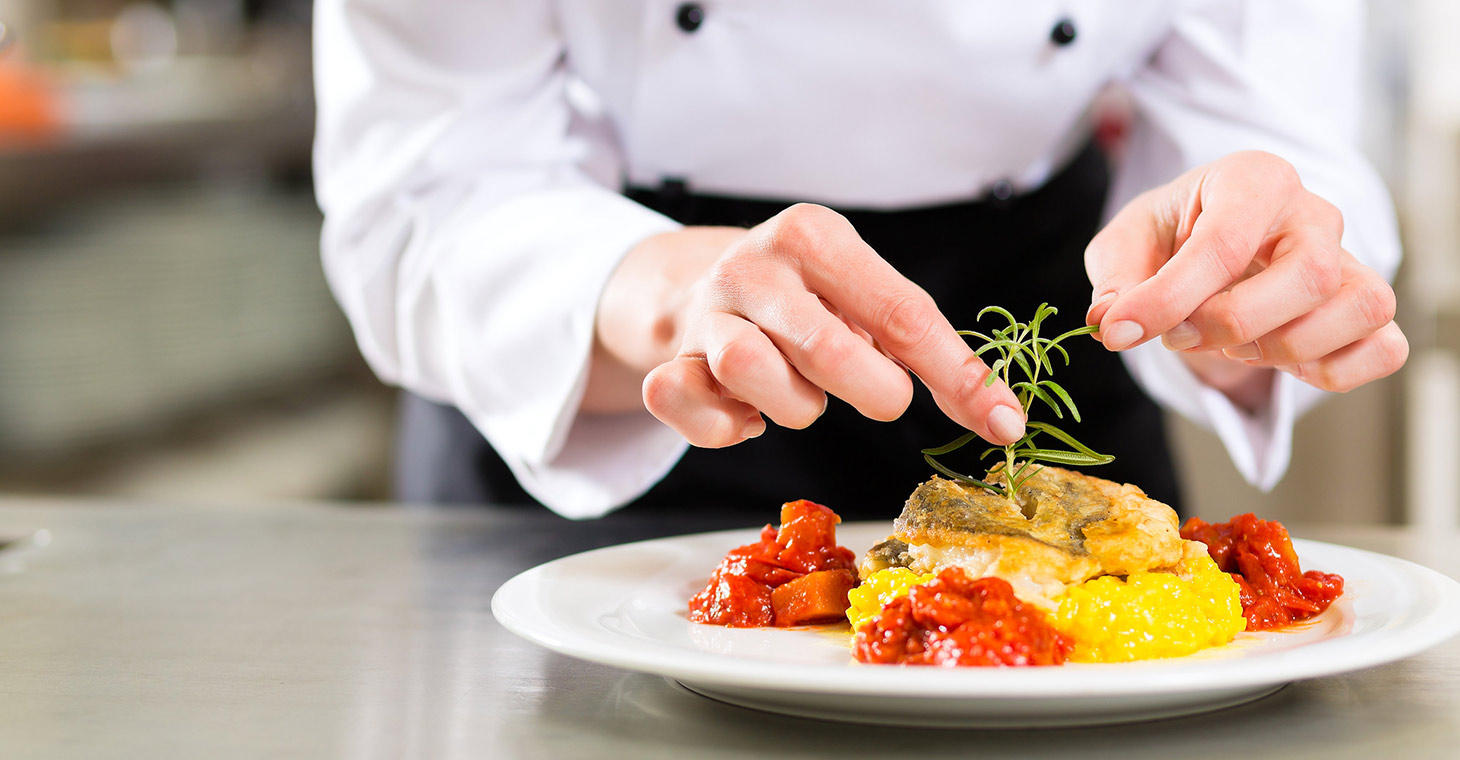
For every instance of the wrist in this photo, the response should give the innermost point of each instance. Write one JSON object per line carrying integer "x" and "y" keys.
{"x": 638, "y": 322}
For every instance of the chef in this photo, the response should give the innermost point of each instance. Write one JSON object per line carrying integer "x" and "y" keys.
{"x": 713, "y": 254}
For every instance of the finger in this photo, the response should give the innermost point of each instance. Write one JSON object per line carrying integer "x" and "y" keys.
{"x": 1128, "y": 251}
{"x": 906, "y": 323}
{"x": 1098, "y": 306}
{"x": 684, "y": 395}
{"x": 1364, "y": 304}
{"x": 1378, "y": 355}
{"x": 1236, "y": 207}
{"x": 749, "y": 367}
{"x": 837, "y": 358}
{"x": 1306, "y": 272}
{"x": 901, "y": 317}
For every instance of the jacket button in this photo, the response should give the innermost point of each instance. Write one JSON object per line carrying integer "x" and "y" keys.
{"x": 1001, "y": 192}
{"x": 690, "y": 16}
{"x": 1063, "y": 32}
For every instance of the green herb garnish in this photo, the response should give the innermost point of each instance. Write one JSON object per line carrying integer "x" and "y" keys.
{"x": 1021, "y": 346}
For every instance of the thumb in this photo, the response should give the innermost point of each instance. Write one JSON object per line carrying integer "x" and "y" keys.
{"x": 1128, "y": 251}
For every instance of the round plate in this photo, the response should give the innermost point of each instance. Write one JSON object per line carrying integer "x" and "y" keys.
{"x": 625, "y": 606}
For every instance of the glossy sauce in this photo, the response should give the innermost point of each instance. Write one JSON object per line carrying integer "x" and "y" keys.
{"x": 953, "y": 621}
{"x": 742, "y": 591}
{"x": 1259, "y": 554}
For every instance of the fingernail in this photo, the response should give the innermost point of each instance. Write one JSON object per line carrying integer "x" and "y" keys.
{"x": 1122, "y": 335}
{"x": 1246, "y": 352}
{"x": 1182, "y": 337}
{"x": 1006, "y": 423}
{"x": 1098, "y": 301}
{"x": 753, "y": 427}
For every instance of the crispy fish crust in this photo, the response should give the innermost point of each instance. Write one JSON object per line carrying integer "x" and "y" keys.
{"x": 1081, "y": 527}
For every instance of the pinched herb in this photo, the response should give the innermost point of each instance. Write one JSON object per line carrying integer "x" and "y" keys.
{"x": 1020, "y": 347}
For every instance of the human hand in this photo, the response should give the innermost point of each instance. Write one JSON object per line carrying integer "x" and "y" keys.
{"x": 800, "y": 307}
{"x": 1239, "y": 267}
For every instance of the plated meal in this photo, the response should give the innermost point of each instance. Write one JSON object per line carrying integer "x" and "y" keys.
{"x": 1105, "y": 607}
{"x": 1099, "y": 573}
{"x": 625, "y": 606}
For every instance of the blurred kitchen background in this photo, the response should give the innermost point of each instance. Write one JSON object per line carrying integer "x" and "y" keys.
{"x": 166, "y": 332}
{"x": 165, "y": 329}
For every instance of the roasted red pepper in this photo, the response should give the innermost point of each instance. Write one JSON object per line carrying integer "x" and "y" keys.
{"x": 739, "y": 593}
{"x": 1259, "y": 555}
{"x": 953, "y": 620}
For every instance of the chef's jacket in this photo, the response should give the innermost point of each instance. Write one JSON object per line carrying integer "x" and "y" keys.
{"x": 470, "y": 152}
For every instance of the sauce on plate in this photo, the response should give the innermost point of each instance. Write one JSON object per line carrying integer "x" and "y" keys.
{"x": 1259, "y": 555}
{"x": 794, "y": 575}
{"x": 953, "y": 620}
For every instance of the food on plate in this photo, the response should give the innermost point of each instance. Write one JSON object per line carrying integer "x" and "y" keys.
{"x": 878, "y": 589}
{"x": 816, "y": 597}
{"x": 1261, "y": 559}
{"x": 794, "y": 575}
{"x": 1152, "y": 614}
{"x": 956, "y": 620}
{"x": 966, "y": 579}
{"x": 1082, "y": 527}
{"x": 1103, "y": 562}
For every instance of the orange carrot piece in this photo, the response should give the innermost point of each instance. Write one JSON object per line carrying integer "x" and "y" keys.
{"x": 818, "y": 597}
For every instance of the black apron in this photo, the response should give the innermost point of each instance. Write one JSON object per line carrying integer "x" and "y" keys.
{"x": 1011, "y": 251}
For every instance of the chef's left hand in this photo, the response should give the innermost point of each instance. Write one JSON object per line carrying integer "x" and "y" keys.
{"x": 1239, "y": 267}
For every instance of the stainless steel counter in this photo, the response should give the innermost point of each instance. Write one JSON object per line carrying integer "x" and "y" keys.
{"x": 319, "y": 632}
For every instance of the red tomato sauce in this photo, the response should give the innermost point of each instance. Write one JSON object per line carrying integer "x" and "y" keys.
{"x": 953, "y": 620}
{"x": 1260, "y": 557}
{"x": 741, "y": 592}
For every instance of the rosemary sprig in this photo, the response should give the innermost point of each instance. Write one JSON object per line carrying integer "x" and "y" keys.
{"x": 1020, "y": 347}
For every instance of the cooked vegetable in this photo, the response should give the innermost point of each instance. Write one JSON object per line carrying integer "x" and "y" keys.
{"x": 1260, "y": 556}
{"x": 956, "y": 620}
{"x": 818, "y": 597}
{"x": 739, "y": 593}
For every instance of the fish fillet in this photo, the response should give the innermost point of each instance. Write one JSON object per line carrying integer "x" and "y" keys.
{"x": 1080, "y": 527}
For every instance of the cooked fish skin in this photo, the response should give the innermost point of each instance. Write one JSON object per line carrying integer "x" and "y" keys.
{"x": 1075, "y": 517}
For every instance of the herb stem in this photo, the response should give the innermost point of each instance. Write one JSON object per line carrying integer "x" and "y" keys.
{"x": 1020, "y": 345}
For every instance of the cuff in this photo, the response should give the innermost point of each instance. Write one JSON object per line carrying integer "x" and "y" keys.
{"x": 521, "y": 297}
{"x": 1260, "y": 444}
{"x": 606, "y": 461}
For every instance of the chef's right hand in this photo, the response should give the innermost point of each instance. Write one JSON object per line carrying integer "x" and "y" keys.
{"x": 773, "y": 319}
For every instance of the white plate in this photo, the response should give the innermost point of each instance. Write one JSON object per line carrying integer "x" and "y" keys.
{"x": 625, "y": 606}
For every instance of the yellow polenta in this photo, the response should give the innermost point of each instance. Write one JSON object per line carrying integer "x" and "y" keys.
{"x": 1150, "y": 615}
{"x": 877, "y": 590}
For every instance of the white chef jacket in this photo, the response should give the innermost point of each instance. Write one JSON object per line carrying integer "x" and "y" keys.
{"x": 469, "y": 156}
